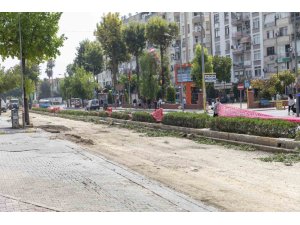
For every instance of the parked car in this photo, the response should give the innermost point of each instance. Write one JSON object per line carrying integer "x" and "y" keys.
{"x": 76, "y": 102}
{"x": 93, "y": 105}
{"x": 44, "y": 103}
{"x": 3, "y": 106}
{"x": 14, "y": 103}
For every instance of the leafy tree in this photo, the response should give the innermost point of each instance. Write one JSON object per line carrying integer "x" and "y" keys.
{"x": 49, "y": 68}
{"x": 222, "y": 67}
{"x": 149, "y": 81}
{"x": 109, "y": 34}
{"x": 80, "y": 85}
{"x": 70, "y": 69}
{"x": 161, "y": 33}
{"x": 44, "y": 90}
{"x": 134, "y": 37}
{"x": 40, "y": 41}
{"x": 109, "y": 97}
{"x": 90, "y": 56}
{"x": 125, "y": 81}
{"x": 197, "y": 65}
{"x": 287, "y": 78}
{"x": 171, "y": 94}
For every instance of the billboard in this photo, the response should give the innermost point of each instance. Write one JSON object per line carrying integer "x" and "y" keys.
{"x": 184, "y": 74}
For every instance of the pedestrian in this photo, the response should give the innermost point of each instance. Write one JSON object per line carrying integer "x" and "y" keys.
{"x": 159, "y": 103}
{"x": 216, "y": 107}
{"x": 291, "y": 104}
{"x": 184, "y": 103}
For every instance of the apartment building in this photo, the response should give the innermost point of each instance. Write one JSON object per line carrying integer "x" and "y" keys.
{"x": 238, "y": 35}
{"x": 279, "y": 43}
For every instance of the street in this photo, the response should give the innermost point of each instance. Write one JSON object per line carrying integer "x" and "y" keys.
{"x": 39, "y": 173}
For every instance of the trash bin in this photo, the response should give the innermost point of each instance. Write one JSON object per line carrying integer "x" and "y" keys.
{"x": 279, "y": 105}
{"x": 15, "y": 118}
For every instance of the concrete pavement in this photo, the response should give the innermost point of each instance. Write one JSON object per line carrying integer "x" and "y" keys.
{"x": 39, "y": 173}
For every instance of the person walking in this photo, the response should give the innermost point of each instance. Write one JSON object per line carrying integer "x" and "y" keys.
{"x": 216, "y": 107}
{"x": 291, "y": 104}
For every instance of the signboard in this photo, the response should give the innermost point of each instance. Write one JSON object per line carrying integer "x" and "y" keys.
{"x": 247, "y": 83}
{"x": 222, "y": 86}
{"x": 184, "y": 75}
{"x": 210, "y": 78}
{"x": 241, "y": 86}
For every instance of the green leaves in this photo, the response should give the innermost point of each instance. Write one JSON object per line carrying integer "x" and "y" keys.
{"x": 186, "y": 119}
{"x": 39, "y": 35}
{"x": 222, "y": 67}
{"x": 197, "y": 65}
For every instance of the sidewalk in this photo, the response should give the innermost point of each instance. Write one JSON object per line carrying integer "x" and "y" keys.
{"x": 41, "y": 173}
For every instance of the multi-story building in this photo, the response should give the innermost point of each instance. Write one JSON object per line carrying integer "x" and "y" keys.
{"x": 239, "y": 36}
{"x": 279, "y": 45}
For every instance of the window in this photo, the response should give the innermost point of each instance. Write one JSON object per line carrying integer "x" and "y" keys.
{"x": 283, "y": 31}
{"x": 239, "y": 28}
{"x": 226, "y": 16}
{"x": 196, "y": 39}
{"x": 207, "y": 25}
{"x": 257, "y": 71}
{"x": 216, "y": 18}
{"x": 270, "y": 51}
{"x": 183, "y": 42}
{"x": 270, "y": 34}
{"x": 218, "y": 49}
{"x": 190, "y": 56}
{"x": 256, "y": 23}
{"x": 227, "y": 45}
{"x": 182, "y": 30}
{"x": 257, "y": 55}
{"x": 217, "y": 32}
{"x": 188, "y": 28}
{"x": 256, "y": 39}
{"x": 227, "y": 30}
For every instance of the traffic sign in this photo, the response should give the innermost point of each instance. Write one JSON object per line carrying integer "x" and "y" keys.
{"x": 210, "y": 78}
{"x": 247, "y": 83}
{"x": 241, "y": 86}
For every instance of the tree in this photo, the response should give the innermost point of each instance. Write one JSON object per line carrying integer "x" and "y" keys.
{"x": 134, "y": 37}
{"x": 149, "y": 81}
{"x": 90, "y": 56}
{"x": 49, "y": 68}
{"x": 197, "y": 65}
{"x": 40, "y": 41}
{"x": 161, "y": 33}
{"x": 45, "y": 90}
{"x": 70, "y": 69}
{"x": 222, "y": 67}
{"x": 80, "y": 85}
{"x": 287, "y": 78}
{"x": 109, "y": 34}
{"x": 125, "y": 81}
{"x": 171, "y": 94}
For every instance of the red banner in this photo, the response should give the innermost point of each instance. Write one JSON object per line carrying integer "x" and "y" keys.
{"x": 158, "y": 115}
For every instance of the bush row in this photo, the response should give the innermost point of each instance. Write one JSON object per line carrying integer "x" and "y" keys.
{"x": 253, "y": 126}
{"x": 260, "y": 127}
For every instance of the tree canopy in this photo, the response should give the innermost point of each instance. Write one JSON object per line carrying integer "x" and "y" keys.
{"x": 135, "y": 39}
{"x": 109, "y": 34}
{"x": 222, "y": 67}
{"x": 90, "y": 56}
{"x": 197, "y": 65}
{"x": 161, "y": 33}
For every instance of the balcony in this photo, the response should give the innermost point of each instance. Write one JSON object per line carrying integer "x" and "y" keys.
{"x": 245, "y": 39}
{"x": 237, "y": 35}
{"x": 196, "y": 19}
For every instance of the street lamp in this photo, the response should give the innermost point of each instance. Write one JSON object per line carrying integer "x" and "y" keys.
{"x": 22, "y": 75}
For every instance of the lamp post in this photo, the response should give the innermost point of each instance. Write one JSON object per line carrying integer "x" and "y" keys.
{"x": 202, "y": 64}
{"x": 22, "y": 75}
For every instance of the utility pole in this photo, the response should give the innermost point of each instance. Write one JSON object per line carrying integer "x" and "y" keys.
{"x": 202, "y": 64}
{"x": 296, "y": 64}
{"x": 22, "y": 75}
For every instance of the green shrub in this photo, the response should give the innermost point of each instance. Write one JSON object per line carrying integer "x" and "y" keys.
{"x": 253, "y": 126}
{"x": 120, "y": 115}
{"x": 40, "y": 109}
{"x": 143, "y": 117}
{"x": 171, "y": 94}
{"x": 103, "y": 114}
{"x": 186, "y": 119}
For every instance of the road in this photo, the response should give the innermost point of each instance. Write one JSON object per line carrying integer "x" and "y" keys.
{"x": 42, "y": 173}
{"x": 230, "y": 180}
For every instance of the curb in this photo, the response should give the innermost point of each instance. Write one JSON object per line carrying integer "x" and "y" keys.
{"x": 268, "y": 144}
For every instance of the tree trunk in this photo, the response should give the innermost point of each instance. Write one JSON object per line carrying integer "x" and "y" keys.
{"x": 138, "y": 75}
{"x": 26, "y": 108}
{"x": 162, "y": 74}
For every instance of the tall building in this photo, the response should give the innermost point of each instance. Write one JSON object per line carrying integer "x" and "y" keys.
{"x": 279, "y": 45}
{"x": 238, "y": 35}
